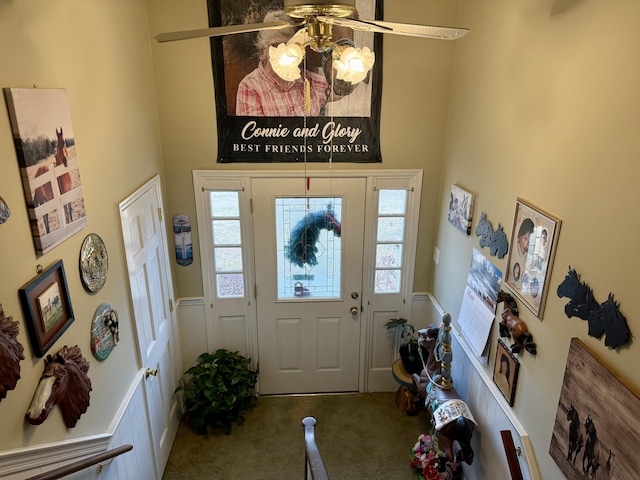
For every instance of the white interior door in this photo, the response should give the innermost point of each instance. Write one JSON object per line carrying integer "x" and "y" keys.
{"x": 308, "y": 236}
{"x": 151, "y": 291}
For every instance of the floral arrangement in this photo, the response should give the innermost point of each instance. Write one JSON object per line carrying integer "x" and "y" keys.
{"x": 428, "y": 460}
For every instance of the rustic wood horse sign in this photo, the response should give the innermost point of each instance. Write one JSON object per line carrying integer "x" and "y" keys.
{"x": 64, "y": 382}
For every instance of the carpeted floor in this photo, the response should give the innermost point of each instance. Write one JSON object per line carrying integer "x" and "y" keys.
{"x": 360, "y": 436}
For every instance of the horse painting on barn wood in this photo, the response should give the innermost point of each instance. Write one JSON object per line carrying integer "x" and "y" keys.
{"x": 597, "y": 429}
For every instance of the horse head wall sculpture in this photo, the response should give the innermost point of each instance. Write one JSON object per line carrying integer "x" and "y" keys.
{"x": 64, "y": 382}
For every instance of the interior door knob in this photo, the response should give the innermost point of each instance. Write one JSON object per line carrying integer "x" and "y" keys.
{"x": 354, "y": 310}
{"x": 149, "y": 372}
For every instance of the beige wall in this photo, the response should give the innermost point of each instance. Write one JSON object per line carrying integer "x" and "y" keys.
{"x": 414, "y": 107}
{"x": 99, "y": 52}
{"x": 544, "y": 106}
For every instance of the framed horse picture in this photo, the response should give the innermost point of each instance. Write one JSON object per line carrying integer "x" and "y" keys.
{"x": 46, "y": 305}
{"x": 46, "y": 150}
{"x": 534, "y": 236}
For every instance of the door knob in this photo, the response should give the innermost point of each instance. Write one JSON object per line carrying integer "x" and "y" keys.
{"x": 354, "y": 295}
{"x": 354, "y": 310}
{"x": 149, "y": 372}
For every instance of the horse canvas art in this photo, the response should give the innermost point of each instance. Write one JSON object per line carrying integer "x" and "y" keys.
{"x": 597, "y": 429}
{"x": 64, "y": 382}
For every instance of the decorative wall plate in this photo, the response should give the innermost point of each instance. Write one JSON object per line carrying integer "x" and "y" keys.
{"x": 94, "y": 262}
{"x": 104, "y": 331}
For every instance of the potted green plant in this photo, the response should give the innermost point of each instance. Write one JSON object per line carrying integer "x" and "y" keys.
{"x": 218, "y": 391}
{"x": 409, "y": 348}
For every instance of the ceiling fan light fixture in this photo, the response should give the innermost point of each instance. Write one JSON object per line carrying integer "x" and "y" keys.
{"x": 352, "y": 64}
{"x": 285, "y": 60}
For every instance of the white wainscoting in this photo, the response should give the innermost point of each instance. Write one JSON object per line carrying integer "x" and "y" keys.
{"x": 130, "y": 426}
{"x": 489, "y": 408}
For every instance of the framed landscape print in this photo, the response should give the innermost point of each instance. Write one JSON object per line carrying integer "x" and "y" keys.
{"x": 46, "y": 305}
{"x": 533, "y": 242}
{"x": 46, "y": 150}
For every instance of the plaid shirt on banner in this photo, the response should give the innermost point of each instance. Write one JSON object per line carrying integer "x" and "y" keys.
{"x": 261, "y": 95}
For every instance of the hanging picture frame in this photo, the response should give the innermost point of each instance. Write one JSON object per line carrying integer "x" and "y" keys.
{"x": 534, "y": 236}
{"x": 46, "y": 150}
{"x": 46, "y": 305}
{"x": 505, "y": 371}
{"x": 343, "y": 126}
{"x": 461, "y": 209}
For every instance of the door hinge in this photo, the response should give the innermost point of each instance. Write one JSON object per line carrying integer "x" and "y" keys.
{"x": 159, "y": 214}
{"x": 255, "y": 291}
{"x": 170, "y": 305}
{"x": 251, "y": 206}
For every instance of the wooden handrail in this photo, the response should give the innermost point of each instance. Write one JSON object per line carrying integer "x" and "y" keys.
{"x": 65, "y": 470}
{"x": 313, "y": 461}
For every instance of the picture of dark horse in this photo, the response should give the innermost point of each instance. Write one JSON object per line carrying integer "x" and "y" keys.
{"x": 576, "y": 438}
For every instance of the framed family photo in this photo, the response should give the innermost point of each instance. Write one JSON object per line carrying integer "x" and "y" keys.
{"x": 533, "y": 242}
{"x": 505, "y": 371}
{"x": 47, "y": 307}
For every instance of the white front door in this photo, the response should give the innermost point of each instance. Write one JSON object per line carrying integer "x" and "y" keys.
{"x": 151, "y": 292}
{"x": 308, "y": 236}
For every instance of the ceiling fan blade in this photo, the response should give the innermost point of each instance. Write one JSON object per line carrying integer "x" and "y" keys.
{"x": 425, "y": 31}
{"x": 226, "y": 30}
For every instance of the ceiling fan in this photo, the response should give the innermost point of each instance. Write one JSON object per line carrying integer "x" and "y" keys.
{"x": 317, "y": 19}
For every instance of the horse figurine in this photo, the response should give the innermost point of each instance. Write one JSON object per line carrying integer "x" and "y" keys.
{"x": 512, "y": 326}
{"x": 452, "y": 419}
{"x": 64, "y": 382}
{"x": 11, "y": 352}
{"x": 576, "y": 438}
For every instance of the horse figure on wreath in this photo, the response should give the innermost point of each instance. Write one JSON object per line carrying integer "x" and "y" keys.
{"x": 451, "y": 417}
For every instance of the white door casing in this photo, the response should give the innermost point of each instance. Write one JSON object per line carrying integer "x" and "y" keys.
{"x": 236, "y": 327}
{"x": 151, "y": 287}
{"x": 309, "y": 344}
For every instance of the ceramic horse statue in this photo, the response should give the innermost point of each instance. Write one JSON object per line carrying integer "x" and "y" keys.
{"x": 512, "y": 326}
{"x": 11, "y": 352}
{"x": 64, "y": 382}
{"x": 451, "y": 418}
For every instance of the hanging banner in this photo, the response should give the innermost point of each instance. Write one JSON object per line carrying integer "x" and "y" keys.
{"x": 261, "y": 117}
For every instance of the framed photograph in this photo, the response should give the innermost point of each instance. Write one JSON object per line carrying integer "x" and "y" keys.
{"x": 597, "y": 428}
{"x": 533, "y": 243}
{"x": 461, "y": 209}
{"x": 46, "y": 150}
{"x": 343, "y": 122}
{"x": 47, "y": 307}
{"x": 505, "y": 371}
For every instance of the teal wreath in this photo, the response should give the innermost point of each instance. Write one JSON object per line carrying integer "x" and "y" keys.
{"x": 302, "y": 248}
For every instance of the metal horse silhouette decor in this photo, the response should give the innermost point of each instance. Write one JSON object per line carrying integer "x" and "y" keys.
{"x": 451, "y": 417}
{"x": 11, "y": 352}
{"x": 512, "y": 326}
{"x": 64, "y": 382}
{"x": 604, "y": 318}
